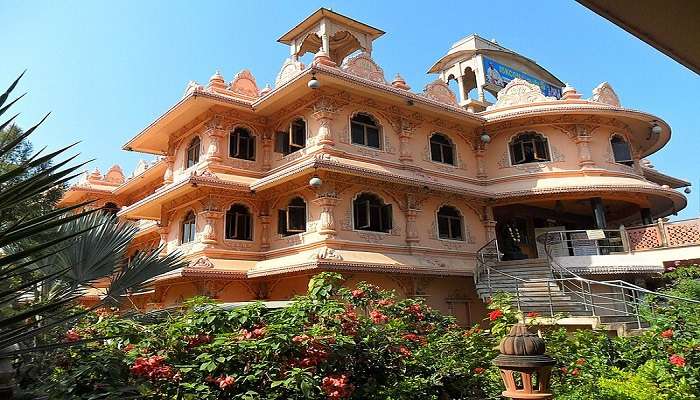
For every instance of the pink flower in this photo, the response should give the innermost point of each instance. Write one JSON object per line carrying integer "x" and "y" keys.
{"x": 667, "y": 334}
{"x": 677, "y": 360}
{"x": 153, "y": 368}
{"x": 495, "y": 314}
{"x": 386, "y": 302}
{"x": 479, "y": 370}
{"x": 575, "y": 372}
{"x": 337, "y": 387}
{"x": 405, "y": 351}
{"x": 378, "y": 317}
{"x": 581, "y": 361}
{"x": 358, "y": 293}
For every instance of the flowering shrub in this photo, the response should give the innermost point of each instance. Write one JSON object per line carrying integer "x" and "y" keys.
{"x": 335, "y": 343}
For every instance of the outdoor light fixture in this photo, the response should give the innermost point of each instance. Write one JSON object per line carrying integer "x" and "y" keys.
{"x": 485, "y": 137}
{"x": 313, "y": 82}
{"x": 315, "y": 182}
{"x": 655, "y": 130}
{"x": 687, "y": 190}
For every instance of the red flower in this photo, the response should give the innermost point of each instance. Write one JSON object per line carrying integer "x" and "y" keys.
{"x": 72, "y": 336}
{"x": 416, "y": 311}
{"x": 254, "y": 334}
{"x": 412, "y": 337}
{"x": 405, "y": 351}
{"x": 358, "y": 293}
{"x": 495, "y": 314}
{"x": 564, "y": 370}
{"x": 479, "y": 370}
{"x": 225, "y": 382}
{"x": 581, "y": 361}
{"x": 337, "y": 387}
{"x": 533, "y": 314}
{"x": 677, "y": 360}
{"x": 378, "y": 317}
{"x": 153, "y": 368}
{"x": 128, "y": 348}
{"x": 194, "y": 341}
{"x": 575, "y": 372}
{"x": 667, "y": 334}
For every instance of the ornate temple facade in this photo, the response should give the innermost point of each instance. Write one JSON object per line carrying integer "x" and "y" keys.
{"x": 339, "y": 168}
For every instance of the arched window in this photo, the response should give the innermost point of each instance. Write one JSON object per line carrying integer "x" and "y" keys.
{"x": 621, "y": 150}
{"x": 441, "y": 149}
{"x": 449, "y": 223}
{"x": 189, "y": 227}
{"x": 528, "y": 147}
{"x": 242, "y": 144}
{"x": 371, "y": 214}
{"x": 364, "y": 130}
{"x": 193, "y": 153}
{"x": 292, "y": 140}
{"x": 239, "y": 223}
{"x": 292, "y": 219}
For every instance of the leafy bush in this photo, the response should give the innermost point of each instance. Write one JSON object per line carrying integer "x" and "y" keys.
{"x": 337, "y": 343}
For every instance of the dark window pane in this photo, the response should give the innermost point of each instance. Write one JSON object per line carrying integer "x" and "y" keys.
{"x": 251, "y": 148}
{"x": 233, "y": 145}
{"x": 282, "y": 222}
{"x": 281, "y": 142}
{"x": 364, "y": 118}
{"x": 298, "y": 136}
{"x": 358, "y": 133}
{"x": 386, "y": 223}
{"x": 443, "y": 227}
{"x": 541, "y": 148}
{"x": 456, "y": 229}
{"x": 361, "y": 214}
{"x": 435, "y": 153}
{"x": 375, "y": 216}
{"x": 372, "y": 137}
{"x": 296, "y": 218}
{"x": 447, "y": 156}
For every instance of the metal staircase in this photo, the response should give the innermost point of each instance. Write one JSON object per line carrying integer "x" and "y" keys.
{"x": 546, "y": 287}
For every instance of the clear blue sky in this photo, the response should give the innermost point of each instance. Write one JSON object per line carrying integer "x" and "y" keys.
{"x": 107, "y": 69}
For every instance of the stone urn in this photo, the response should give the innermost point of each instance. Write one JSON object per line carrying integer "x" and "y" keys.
{"x": 525, "y": 369}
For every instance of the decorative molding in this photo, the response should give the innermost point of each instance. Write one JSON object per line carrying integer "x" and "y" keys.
{"x": 438, "y": 90}
{"x": 289, "y": 70}
{"x": 244, "y": 84}
{"x": 517, "y": 92}
{"x": 363, "y": 65}
{"x": 201, "y": 262}
{"x": 604, "y": 93}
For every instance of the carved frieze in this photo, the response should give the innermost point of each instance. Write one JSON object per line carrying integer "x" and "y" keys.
{"x": 604, "y": 93}
{"x": 517, "y": 92}
{"x": 439, "y": 91}
{"x": 363, "y": 65}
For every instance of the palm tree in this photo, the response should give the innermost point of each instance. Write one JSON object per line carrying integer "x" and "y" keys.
{"x": 48, "y": 261}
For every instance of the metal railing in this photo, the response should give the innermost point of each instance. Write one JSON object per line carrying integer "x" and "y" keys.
{"x": 563, "y": 291}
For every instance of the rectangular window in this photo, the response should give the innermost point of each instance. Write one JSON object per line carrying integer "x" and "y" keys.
{"x": 282, "y": 222}
{"x": 443, "y": 227}
{"x": 282, "y": 142}
{"x": 540, "y": 150}
{"x": 372, "y": 136}
{"x": 455, "y": 229}
{"x": 447, "y": 156}
{"x": 297, "y": 136}
{"x": 241, "y": 228}
{"x": 436, "y": 152}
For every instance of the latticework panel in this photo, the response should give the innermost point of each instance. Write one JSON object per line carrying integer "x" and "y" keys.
{"x": 644, "y": 238}
{"x": 683, "y": 233}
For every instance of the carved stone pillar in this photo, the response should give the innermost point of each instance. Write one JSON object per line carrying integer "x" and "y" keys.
{"x": 411, "y": 227}
{"x": 480, "y": 155}
{"x": 489, "y": 223}
{"x": 216, "y": 137}
{"x": 404, "y": 150}
{"x": 163, "y": 233}
{"x": 169, "y": 165}
{"x": 265, "y": 232}
{"x": 583, "y": 144}
{"x": 326, "y": 222}
{"x": 210, "y": 218}
{"x": 324, "y": 112}
{"x": 267, "y": 152}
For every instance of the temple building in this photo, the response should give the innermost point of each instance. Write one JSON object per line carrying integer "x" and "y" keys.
{"x": 341, "y": 168}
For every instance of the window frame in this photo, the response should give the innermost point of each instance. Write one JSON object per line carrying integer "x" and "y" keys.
{"x": 450, "y": 219}
{"x": 382, "y": 210}
{"x": 284, "y": 217}
{"x": 533, "y": 142}
{"x": 284, "y": 141}
{"x": 364, "y": 126}
{"x": 449, "y": 145}
{"x": 192, "y": 152}
{"x": 630, "y": 161}
{"x": 188, "y": 225}
{"x": 250, "y": 144}
{"x": 233, "y": 218}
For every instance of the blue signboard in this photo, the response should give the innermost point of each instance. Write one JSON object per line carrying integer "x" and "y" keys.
{"x": 499, "y": 75}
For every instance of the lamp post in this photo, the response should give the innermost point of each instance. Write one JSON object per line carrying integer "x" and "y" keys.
{"x": 524, "y": 367}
